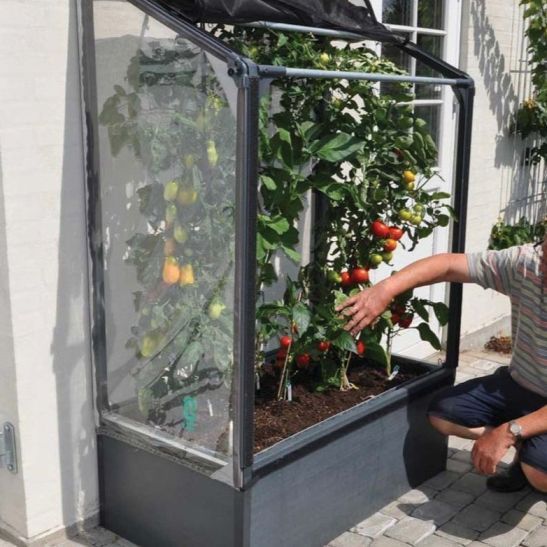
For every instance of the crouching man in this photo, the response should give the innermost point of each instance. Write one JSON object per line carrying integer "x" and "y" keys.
{"x": 509, "y": 407}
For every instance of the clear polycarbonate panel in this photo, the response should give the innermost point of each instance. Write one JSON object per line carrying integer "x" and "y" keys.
{"x": 167, "y": 146}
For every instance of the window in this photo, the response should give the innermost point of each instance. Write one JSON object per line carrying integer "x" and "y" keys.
{"x": 423, "y": 22}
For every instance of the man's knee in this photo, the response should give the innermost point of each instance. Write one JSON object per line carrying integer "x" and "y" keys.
{"x": 536, "y": 477}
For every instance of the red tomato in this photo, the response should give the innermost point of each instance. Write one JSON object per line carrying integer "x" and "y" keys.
{"x": 346, "y": 279}
{"x": 395, "y": 233}
{"x": 361, "y": 347}
{"x": 379, "y": 229}
{"x": 303, "y": 360}
{"x": 406, "y": 320}
{"x": 395, "y": 318}
{"x": 323, "y": 345}
{"x": 285, "y": 341}
{"x": 359, "y": 275}
{"x": 390, "y": 245}
{"x": 398, "y": 308}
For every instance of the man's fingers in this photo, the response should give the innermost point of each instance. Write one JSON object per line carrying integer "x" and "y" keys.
{"x": 355, "y": 319}
{"x": 365, "y": 322}
{"x": 348, "y": 302}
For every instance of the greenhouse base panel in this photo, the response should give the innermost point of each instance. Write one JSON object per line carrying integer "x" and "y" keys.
{"x": 306, "y": 490}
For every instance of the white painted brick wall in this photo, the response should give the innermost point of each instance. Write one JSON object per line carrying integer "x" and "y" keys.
{"x": 45, "y": 371}
{"x": 490, "y": 50}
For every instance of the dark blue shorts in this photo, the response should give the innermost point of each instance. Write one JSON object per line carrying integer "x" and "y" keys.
{"x": 491, "y": 401}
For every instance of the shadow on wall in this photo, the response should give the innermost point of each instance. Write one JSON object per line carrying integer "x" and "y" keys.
{"x": 70, "y": 345}
{"x": 522, "y": 193}
{"x": 494, "y": 69}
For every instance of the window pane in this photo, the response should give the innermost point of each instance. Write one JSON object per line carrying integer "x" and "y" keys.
{"x": 167, "y": 172}
{"x": 431, "y": 114}
{"x": 432, "y": 44}
{"x": 400, "y": 59}
{"x": 430, "y": 14}
{"x": 397, "y": 12}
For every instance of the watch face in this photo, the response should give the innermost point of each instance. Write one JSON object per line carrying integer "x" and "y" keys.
{"x": 515, "y": 429}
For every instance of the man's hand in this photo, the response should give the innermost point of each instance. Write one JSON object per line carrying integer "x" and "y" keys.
{"x": 490, "y": 448}
{"x": 363, "y": 308}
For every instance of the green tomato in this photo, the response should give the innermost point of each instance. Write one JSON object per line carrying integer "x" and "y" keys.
{"x": 180, "y": 234}
{"x": 416, "y": 220}
{"x": 170, "y": 213}
{"x": 334, "y": 277}
{"x": 215, "y": 309}
{"x": 387, "y": 257}
{"x": 419, "y": 208}
{"x": 171, "y": 190}
{"x": 376, "y": 259}
{"x": 405, "y": 214}
{"x": 324, "y": 58}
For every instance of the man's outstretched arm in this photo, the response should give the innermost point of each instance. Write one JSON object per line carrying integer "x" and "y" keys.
{"x": 365, "y": 307}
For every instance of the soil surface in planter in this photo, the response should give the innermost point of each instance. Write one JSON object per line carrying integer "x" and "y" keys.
{"x": 277, "y": 420}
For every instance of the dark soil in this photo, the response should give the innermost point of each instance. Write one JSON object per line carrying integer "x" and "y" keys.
{"x": 499, "y": 344}
{"x": 277, "y": 420}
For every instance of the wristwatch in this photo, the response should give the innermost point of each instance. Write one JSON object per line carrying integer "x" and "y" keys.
{"x": 516, "y": 429}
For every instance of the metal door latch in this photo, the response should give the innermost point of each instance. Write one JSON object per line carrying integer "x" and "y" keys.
{"x": 8, "y": 452}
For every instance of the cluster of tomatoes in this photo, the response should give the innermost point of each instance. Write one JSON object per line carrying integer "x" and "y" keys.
{"x": 303, "y": 360}
{"x": 400, "y": 316}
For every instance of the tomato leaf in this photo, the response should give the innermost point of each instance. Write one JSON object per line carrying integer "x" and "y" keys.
{"x": 376, "y": 353}
{"x": 441, "y": 312}
{"x": 427, "y": 335}
{"x": 335, "y": 148}
{"x": 301, "y": 316}
{"x": 345, "y": 342}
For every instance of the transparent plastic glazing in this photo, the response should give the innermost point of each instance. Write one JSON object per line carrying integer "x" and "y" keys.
{"x": 167, "y": 145}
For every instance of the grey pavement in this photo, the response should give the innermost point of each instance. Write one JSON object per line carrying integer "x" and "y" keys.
{"x": 452, "y": 509}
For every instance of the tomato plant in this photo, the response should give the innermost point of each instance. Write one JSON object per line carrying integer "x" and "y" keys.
{"x": 365, "y": 156}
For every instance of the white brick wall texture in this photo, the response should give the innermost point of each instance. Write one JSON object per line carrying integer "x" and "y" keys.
{"x": 45, "y": 387}
{"x": 490, "y": 52}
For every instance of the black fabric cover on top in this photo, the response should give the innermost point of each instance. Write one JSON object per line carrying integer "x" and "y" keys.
{"x": 335, "y": 14}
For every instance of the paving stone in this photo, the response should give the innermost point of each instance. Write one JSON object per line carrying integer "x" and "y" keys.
{"x": 441, "y": 480}
{"x": 471, "y": 482}
{"x": 499, "y": 501}
{"x": 477, "y": 517}
{"x": 459, "y": 443}
{"x": 398, "y": 510}
{"x": 503, "y": 535}
{"x": 462, "y": 377}
{"x": 417, "y": 496}
{"x": 350, "y": 540}
{"x": 437, "y": 541}
{"x": 462, "y": 456}
{"x": 411, "y": 530}
{"x": 458, "y": 466}
{"x": 484, "y": 365}
{"x": 477, "y": 544}
{"x": 456, "y": 498}
{"x": 121, "y": 542}
{"x": 374, "y": 526}
{"x": 457, "y": 532}
{"x": 99, "y": 537}
{"x": 521, "y": 520}
{"x": 387, "y": 542}
{"x": 435, "y": 510}
{"x": 535, "y": 504}
{"x": 538, "y": 538}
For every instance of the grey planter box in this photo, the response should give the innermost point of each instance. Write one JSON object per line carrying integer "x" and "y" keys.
{"x": 306, "y": 490}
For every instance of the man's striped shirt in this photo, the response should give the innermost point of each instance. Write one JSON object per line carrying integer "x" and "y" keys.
{"x": 516, "y": 272}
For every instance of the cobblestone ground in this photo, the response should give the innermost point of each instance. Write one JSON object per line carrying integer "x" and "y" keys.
{"x": 452, "y": 509}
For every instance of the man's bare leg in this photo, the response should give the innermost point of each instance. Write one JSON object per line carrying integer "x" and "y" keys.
{"x": 449, "y": 428}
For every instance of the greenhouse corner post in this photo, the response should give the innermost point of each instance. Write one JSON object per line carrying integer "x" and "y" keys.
{"x": 245, "y": 74}
{"x": 465, "y": 93}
